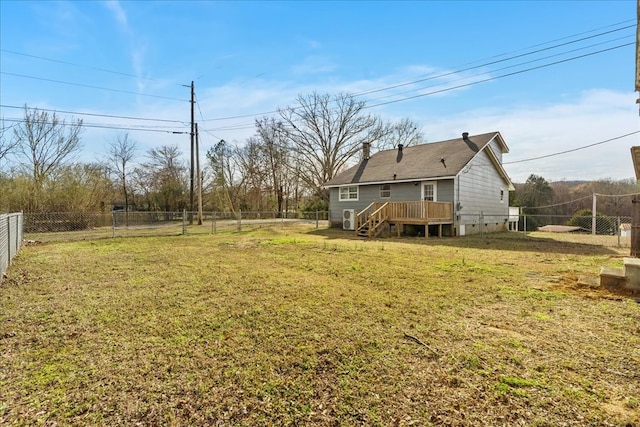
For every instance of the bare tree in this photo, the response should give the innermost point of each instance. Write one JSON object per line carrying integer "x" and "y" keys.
{"x": 120, "y": 154}
{"x": 45, "y": 143}
{"x": 275, "y": 150}
{"x": 224, "y": 166}
{"x": 326, "y": 133}
{"x": 253, "y": 168}
{"x": 164, "y": 178}
{"x": 6, "y": 145}
{"x": 404, "y": 132}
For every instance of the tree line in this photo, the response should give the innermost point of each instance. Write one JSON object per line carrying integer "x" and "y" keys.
{"x": 282, "y": 167}
{"x": 537, "y": 196}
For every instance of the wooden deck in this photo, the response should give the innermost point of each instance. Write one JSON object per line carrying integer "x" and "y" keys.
{"x": 379, "y": 216}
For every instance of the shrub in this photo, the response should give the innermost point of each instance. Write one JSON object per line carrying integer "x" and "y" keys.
{"x": 584, "y": 218}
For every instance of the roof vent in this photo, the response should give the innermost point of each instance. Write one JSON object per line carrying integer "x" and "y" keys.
{"x": 465, "y": 135}
{"x": 400, "y": 147}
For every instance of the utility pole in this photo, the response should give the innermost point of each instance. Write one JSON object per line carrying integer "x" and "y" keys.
{"x": 198, "y": 177}
{"x": 192, "y": 150}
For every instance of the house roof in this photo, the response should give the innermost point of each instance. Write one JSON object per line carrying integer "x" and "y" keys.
{"x": 425, "y": 161}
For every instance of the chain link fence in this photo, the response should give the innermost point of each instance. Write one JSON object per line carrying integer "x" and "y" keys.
{"x": 56, "y": 226}
{"x": 10, "y": 239}
{"x": 601, "y": 230}
{"x": 609, "y": 230}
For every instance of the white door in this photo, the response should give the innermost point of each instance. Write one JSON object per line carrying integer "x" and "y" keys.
{"x": 429, "y": 191}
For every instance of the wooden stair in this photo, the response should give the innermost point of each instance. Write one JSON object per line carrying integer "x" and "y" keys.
{"x": 371, "y": 228}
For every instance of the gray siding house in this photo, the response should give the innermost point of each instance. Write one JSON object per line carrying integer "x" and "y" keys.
{"x": 458, "y": 185}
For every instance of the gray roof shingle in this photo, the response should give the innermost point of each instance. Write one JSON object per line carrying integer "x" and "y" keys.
{"x": 416, "y": 162}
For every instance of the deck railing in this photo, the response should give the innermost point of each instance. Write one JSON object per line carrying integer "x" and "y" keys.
{"x": 417, "y": 210}
{"x": 423, "y": 212}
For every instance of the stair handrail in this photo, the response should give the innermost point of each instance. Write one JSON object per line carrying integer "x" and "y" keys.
{"x": 374, "y": 220}
{"x": 362, "y": 216}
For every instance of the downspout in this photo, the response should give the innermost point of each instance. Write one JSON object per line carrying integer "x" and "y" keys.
{"x": 456, "y": 203}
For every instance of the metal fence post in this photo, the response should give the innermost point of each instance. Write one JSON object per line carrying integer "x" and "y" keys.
{"x": 113, "y": 225}
{"x": 213, "y": 222}
{"x": 18, "y": 233}
{"x": 184, "y": 222}
{"x": 8, "y": 240}
{"x": 239, "y": 220}
{"x": 317, "y": 219}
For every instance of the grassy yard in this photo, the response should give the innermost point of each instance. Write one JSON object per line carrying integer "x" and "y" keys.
{"x": 313, "y": 327}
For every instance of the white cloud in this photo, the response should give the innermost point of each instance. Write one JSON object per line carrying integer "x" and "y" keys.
{"x": 135, "y": 47}
{"x": 529, "y": 130}
{"x": 533, "y": 131}
{"x": 118, "y": 13}
{"x": 314, "y": 64}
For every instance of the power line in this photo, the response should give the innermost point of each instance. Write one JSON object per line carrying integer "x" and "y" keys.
{"x": 554, "y": 41}
{"x": 113, "y": 126}
{"x": 356, "y": 94}
{"x": 503, "y": 68}
{"x": 203, "y": 120}
{"x": 498, "y": 77}
{"x": 76, "y": 65}
{"x": 95, "y": 114}
{"x": 482, "y": 65}
{"x": 490, "y": 63}
{"x": 90, "y": 86}
{"x": 236, "y": 127}
{"x": 559, "y": 204}
{"x": 617, "y": 195}
{"x": 242, "y": 126}
{"x": 465, "y": 78}
{"x": 580, "y": 199}
{"x": 243, "y": 116}
{"x": 573, "y": 149}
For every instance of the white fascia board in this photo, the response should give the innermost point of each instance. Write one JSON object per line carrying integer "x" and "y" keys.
{"x": 397, "y": 181}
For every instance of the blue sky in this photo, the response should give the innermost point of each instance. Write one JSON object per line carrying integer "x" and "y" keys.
{"x": 248, "y": 58}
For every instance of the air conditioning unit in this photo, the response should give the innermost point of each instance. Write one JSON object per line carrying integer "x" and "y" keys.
{"x": 348, "y": 219}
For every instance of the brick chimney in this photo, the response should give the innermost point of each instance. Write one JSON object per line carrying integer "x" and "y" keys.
{"x": 366, "y": 150}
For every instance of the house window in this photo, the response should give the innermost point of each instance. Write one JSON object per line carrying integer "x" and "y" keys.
{"x": 385, "y": 191}
{"x": 429, "y": 192}
{"x": 349, "y": 193}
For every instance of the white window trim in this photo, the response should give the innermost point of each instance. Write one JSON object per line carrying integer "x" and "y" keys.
{"x": 381, "y": 190}
{"x": 341, "y": 199}
{"x": 435, "y": 189}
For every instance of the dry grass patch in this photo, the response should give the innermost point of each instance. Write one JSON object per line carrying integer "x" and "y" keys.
{"x": 278, "y": 327}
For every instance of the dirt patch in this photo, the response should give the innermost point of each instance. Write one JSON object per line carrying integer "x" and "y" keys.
{"x": 619, "y": 410}
{"x": 589, "y": 287}
{"x": 505, "y": 332}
